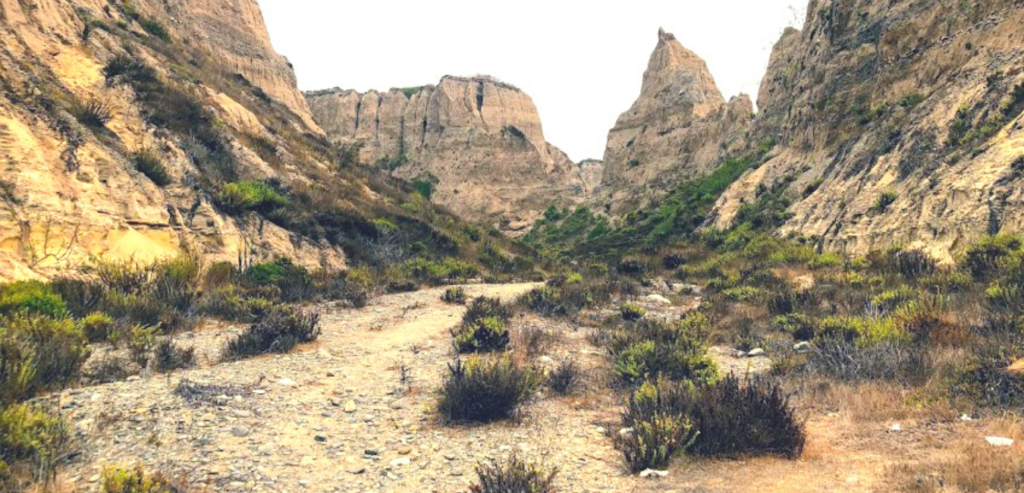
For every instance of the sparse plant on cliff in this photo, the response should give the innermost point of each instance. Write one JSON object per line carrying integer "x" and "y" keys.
{"x": 884, "y": 200}
{"x": 93, "y": 114}
{"x": 147, "y": 162}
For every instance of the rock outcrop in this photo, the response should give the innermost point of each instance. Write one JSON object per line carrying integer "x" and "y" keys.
{"x": 477, "y": 140}
{"x": 892, "y": 123}
{"x": 69, "y": 188}
{"x": 898, "y": 123}
{"x": 680, "y": 128}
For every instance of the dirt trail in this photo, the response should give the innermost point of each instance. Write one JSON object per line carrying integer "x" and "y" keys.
{"x": 335, "y": 416}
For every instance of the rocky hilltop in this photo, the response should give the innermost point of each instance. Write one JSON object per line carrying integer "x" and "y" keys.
{"x": 477, "y": 140}
{"x": 137, "y": 129}
{"x": 889, "y": 123}
{"x": 679, "y": 128}
{"x": 898, "y": 123}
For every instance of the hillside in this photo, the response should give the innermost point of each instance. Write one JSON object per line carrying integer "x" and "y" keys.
{"x": 476, "y": 144}
{"x": 137, "y": 129}
{"x": 887, "y": 124}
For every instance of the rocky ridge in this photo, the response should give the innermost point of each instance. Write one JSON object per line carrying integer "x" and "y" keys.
{"x": 479, "y": 141}
{"x": 680, "y": 128}
{"x": 889, "y": 123}
{"x": 71, "y": 193}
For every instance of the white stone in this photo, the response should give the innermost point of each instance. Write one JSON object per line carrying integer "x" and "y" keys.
{"x": 999, "y": 441}
{"x": 651, "y": 473}
{"x": 657, "y": 298}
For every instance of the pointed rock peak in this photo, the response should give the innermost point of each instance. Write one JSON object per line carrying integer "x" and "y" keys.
{"x": 677, "y": 77}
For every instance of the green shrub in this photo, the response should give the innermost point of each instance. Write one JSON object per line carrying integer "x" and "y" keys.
{"x": 250, "y": 196}
{"x": 634, "y": 266}
{"x": 148, "y": 163}
{"x": 80, "y": 296}
{"x": 565, "y": 299}
{"x": 434, "y": 272}
{"x": 657, "y": 426}
{"x": 845, "y": 361}
{"x": 798, "y": 325}
{"x": 984, "y": 378}
{"x": 983, "y": 258}
{"x": 169, "y": 357}
{"x": 177, "y": 281}
{"x": 484, "y": 390}
{"x": 140, "y": 342}
{"x": 652, "y": 349}
{"x": 893, "y": 298}
{"x": 219, "y": 275}
{"x": 862, "y": 330}
{"x": 37, "y": 354}
{"x": 32, "y": 297}
{"x": 277, "y": 332}
{"x": 136, "y": 480}
{"x": 742, "y": 293}
{"x": 454, "y": 296}
{"x": 884, "y": 200}
{"x": 155, "y": 28}
{"x": 485, "y": 335}
{"x": 97, "y": 327}
{"x": 513, "y": 476}
{"x": 632, "y": 312}
{"x": 32, "y": 434}
{"x": 293, "y": 282}
{"x": 741, "y": 420}
{"x": 483, "y": 308}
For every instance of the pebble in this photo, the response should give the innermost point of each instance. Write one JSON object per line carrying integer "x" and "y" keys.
{"x": 999, "y": 441}
{"x": 350, "y": 407}
{"x": 651, "y": 473}
{"x": 755, "y": 353}
{"x": 404, "y": 461}
{"x": 240, "y": 431}
{"x": 287, "y": 382}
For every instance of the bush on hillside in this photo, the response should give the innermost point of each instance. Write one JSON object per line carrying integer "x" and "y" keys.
{"x": 137, "y": 480}
{"x": 485, "y": 335}
{"x": 651, "y": 349}
{"x": 484, "y": 390}
{"x": 454, "y": 296}
{"x": 38, "y": 353}
{"x": 32, "y": 297}
{"x": 656, "y": 424}
{"x": 277, "y": 332}
{"x": 513, "y": 476}
{"x": 32, "y": 435}
{"x": 735, "y": 420}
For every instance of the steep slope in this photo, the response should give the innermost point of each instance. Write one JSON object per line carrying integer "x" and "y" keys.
{"x": 679, "y": 129}
{"x": 898, "y": 122}
{"x": 134, "y": 129}
{"x": 477, "y": 141}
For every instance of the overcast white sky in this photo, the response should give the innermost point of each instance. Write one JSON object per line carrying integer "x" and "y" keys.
{"x": 581, "y": 62}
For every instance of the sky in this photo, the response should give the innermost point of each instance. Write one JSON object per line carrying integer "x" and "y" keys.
{"x": 581, "y": 62}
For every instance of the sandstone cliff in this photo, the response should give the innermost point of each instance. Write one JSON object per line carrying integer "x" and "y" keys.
{"x": 679, "y": 129}
{"x": 478, "y": 141}
{"x": 893, "y": 123}
{"x": 120, "y": 123}
{"x": 899, "y": 122}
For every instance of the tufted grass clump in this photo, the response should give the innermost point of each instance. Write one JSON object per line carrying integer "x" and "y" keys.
{"x": 657, "y": 426}
{"x": 736, "y": 419}
{"x": 513, "y": 475}
{"x": 168, "y": 356}
{"x": 651, "y": 349}
{"x": 137, "y": 480}
{"x": 566, "y": 378}
{"x": 37, "y": 354}
{"x": 33, "y": 437}
{"x": 485, "y": 335}
{"x": 278, "y": 331}
{"x": 259, "y": 196}
{"x": 484, "y": 390}
{"x": 631, "y": 312}
{"x": 147, "y": 162}
{"x": 454, "y": 296}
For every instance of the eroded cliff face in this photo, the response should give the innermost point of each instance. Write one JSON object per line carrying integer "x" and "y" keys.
{"x": 479, "y": 141}
{"x": 680, "y": 128}
{"x": 898, "y": 122}
{"x": 70, "y": 192}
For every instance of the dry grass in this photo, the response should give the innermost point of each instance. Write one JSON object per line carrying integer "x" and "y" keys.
{"x": 972, "y": 465}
